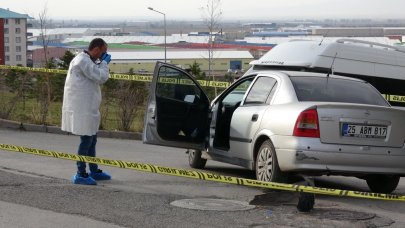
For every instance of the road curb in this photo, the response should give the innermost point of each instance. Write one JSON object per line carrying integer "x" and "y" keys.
{"x": 33, "y": 127}
{"x": 15, "y": 125}
{"x": 9, "y": 124}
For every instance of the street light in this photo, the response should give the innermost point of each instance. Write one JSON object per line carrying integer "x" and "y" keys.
{"x": 164, "y": 19}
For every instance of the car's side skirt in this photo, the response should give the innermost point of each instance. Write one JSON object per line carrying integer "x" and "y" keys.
{"x": 240, "y": 140}
{"x": 235, "y": 161}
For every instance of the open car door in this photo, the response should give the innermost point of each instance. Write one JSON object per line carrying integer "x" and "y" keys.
{"x": 177, "y": 112}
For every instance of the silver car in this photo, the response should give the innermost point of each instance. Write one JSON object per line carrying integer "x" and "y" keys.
{"x": 280, "y": 123}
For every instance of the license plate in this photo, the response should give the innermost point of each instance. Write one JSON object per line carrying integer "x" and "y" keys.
{"x": 364, "y": 131}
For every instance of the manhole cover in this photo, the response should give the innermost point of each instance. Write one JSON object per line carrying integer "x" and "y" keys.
{"x": 207, "y": 204}
{"x": 336, "y": 214}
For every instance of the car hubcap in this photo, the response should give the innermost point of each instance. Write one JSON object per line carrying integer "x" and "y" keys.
{"x": 264, "y": 165}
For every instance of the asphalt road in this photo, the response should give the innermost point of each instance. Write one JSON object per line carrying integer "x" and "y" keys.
{"x": 36, "y": 192}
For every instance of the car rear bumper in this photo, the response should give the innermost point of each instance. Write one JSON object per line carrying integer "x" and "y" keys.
{"x": 298, "y": 154}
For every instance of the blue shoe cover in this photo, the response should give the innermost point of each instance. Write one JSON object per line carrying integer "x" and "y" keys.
{"x": 77, "y": 179}
{"x": 100, "y": 175}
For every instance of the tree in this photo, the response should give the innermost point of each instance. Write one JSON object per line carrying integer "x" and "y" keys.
{"x": 130, "y": 96}
{"x": 211, "y": 15}
{"x": 43, "y": 23}
{"x": 45, "y": 97}
{"x": 66, "y": 59}
{"x": 16, "y": 81}
{"x": 196, "y": 70}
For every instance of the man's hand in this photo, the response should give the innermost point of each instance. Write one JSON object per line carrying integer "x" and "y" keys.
{"x": 106, "y": 57}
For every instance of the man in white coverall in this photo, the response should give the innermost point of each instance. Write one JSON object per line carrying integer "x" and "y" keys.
{"x": 81, "y": 103}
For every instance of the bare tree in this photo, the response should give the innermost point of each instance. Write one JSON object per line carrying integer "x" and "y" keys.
{"x": 130, "y": 96}
{"x": 45, "y": 100}
{"x": 14, "y": 81}
{"x": 43, "y": 22}
{"x": 211, "y": 15}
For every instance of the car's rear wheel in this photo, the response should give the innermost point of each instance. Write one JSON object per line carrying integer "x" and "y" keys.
{"x": 382, "y": 183}
{"x": 195, "y": 160}
{"x": 267, "y": 168}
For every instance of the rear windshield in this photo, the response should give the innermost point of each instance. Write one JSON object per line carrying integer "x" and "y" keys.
{"x": 336, "y": 90}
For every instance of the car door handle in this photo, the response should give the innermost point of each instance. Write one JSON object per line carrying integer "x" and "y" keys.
{"x": 255, "y": 117}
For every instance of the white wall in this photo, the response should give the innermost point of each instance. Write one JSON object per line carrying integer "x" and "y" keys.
{"x": 12, "y": 42}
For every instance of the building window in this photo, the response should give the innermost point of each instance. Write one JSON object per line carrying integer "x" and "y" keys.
{"x": 6, "y": 21}
{"x": 18, "y": 48}
{"x": 18, "y": 39}
{"x": 5, "y": 30}
{"x": 6, "y": 40}
{"x": 18, "y": 58}
{"x": 17, "y": 21}
{"x": 7, "y": 58}
{"x": 7, "y": 48}
{"x": 17, "y": 30}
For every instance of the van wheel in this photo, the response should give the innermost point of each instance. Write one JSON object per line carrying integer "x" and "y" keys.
{"x": 266, "y": 166}
{"x": 382, "y": 183}
{"x": 195, "y": 160}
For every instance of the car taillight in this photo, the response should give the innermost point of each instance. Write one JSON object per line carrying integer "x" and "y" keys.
{"x": 307, "y": 124}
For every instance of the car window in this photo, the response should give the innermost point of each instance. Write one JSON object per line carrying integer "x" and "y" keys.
{"x": 176, "y": 85}
{"x": 273, "y": 90}
{"x": 260, "y": 90}
{"x": 336, "y": 90}
{"x": 237, "y": 94}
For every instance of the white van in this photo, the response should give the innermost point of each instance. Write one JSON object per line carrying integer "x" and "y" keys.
{"x": 381, "y": 65}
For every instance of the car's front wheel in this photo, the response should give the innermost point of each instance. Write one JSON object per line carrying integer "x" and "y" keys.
{"x": 267, "y": 168}
{"x": 195, "y": 160}
{"x": 382, "y": 183}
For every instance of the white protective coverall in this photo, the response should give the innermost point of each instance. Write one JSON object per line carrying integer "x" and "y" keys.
{"x": 82, "y": 95}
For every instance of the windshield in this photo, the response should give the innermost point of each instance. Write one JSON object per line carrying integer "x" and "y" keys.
{"x": 336, "y": 90}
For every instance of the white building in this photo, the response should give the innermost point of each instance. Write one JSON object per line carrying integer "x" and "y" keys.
{"x": 174, "y": 38}
{"x": 280, "y": 40}
{"x": 14, "y": 31}
{"x": 59, "y": 34}
{"x": 144, "y": 61}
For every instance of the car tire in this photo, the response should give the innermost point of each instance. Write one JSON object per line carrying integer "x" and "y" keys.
{"x": 382, "y": 183}
{"x": 266, "y": 165}
{"x": 195, "y": 160}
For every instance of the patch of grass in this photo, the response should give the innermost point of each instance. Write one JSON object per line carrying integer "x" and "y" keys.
{"x": 28, "y": 112}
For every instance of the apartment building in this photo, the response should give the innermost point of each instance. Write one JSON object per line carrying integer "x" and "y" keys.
{"x": 13, "y": 37}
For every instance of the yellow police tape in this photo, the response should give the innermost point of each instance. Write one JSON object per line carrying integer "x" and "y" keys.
{"x": 394, "y": 98}
{"x": 33, "y": 69}
{"x": 144, "y": 167}
{"x": 144, "y": 78}
{"x": 140, "y": 78}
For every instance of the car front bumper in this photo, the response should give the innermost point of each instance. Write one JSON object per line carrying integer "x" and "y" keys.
{"x": 299, "y": 154}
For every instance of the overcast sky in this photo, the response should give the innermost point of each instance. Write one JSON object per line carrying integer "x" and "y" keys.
{"x": 189, "y": 9}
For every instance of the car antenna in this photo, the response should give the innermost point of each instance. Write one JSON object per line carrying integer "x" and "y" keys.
{"x": 327, "y": 31}
{"x": 330, "y": 71}
{"x": 331, "y": 66}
